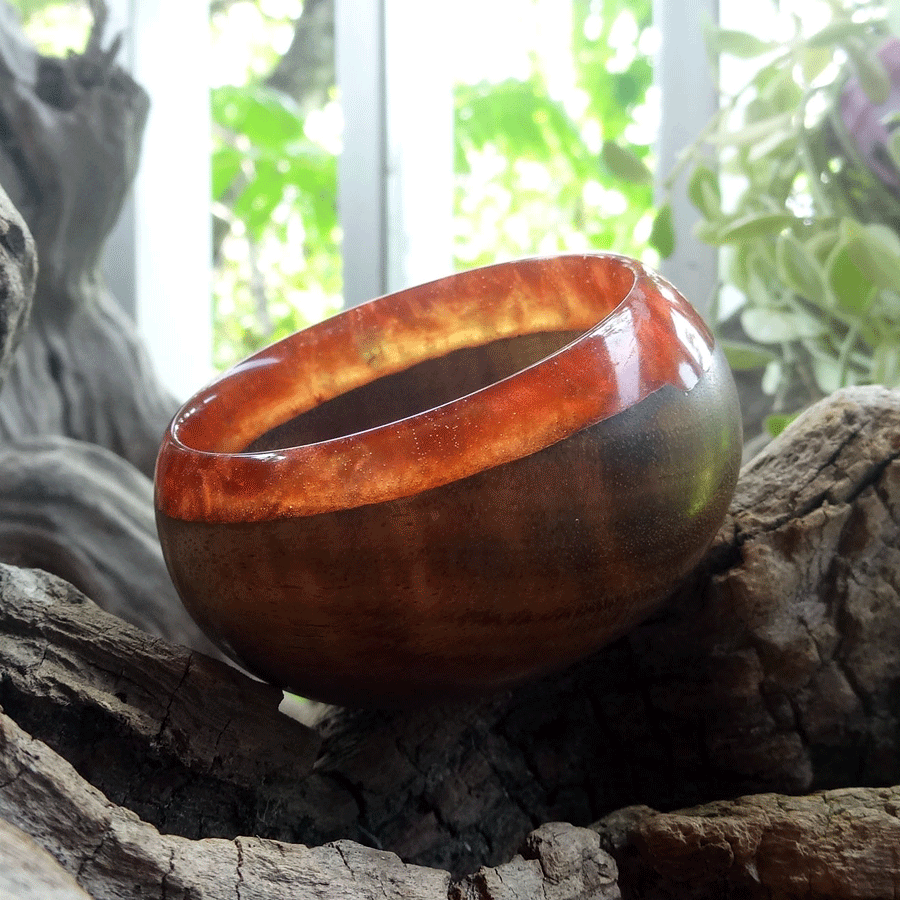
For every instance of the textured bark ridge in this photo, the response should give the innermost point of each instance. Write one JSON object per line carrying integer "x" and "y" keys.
{"x": 71, "y": 131}
{"x": 115, "y": 854}
{"x": 840, "y": 843}
{"x": 775, "y": 670}
{"x": 80, "y": 407}
{"x": 18, "y": 271}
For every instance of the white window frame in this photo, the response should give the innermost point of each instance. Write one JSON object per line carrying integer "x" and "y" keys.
{"x": 395, "y": 173}
{"x": 158, "y": 258}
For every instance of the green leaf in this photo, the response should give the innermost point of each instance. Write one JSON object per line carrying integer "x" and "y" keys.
{"x": 827, "y": 373}
{"x": 624, "y": 164}
{"x": 777, "y": 422}
{"x": 737, "y": 43}
{"x": 755, "y": 225}
{"x": 800, "y": 269}
{"x": 893, "y": 148}
{"x": 269, "y": 119}
{"x": 743, "y": 357}
{"x": 780, "y": 326}
{"x": 769, "y": 149}
{"x": 520, "y": 120}
{"x": 870, "y": 70}
{"x": 704, "y": 191}
{"x": 835, "y": 33}
{"x": 850, "y": 286}
{"x": 259, "y": 198}
{"x": 813, "y": 61}
{"x": 226, "y": 166}
{"x": 875, "y": 250}
{"x": 759, "y": 289}
{"x": 782, "y": 123}
{"x": 772, "y": 376}
{"x": 662, "y": 233}
{"x": 886, "y": 364}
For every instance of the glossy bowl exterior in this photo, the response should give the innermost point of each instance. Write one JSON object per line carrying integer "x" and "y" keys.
{"x": 453, "y": 488}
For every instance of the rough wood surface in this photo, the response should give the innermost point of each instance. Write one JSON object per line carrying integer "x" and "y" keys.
{"x": 142, "y": 767}
{"x": 85, "y": 514}
{"x": 71, "y": 139}
{"x": 116, "y": 855}
{"x": 775, "y": 669}
{"x": 837, "y": 844}
{"x": 18, "y": 271}
{"x": 27, "y": 870}
{"x": 146, "y": 720}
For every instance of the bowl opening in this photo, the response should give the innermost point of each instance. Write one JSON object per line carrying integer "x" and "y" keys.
{"x": 423, "y": 386}
{"x": 404, "y": 354}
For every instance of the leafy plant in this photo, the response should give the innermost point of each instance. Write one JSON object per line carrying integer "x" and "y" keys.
{"x": 55, "y": 27}
{"x": 805, "y": 203}
{"x": 274, "y": 193}
{"x": 542, "y": 173}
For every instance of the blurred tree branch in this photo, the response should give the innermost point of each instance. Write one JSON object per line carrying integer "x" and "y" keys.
{"x": 306, "y": 72}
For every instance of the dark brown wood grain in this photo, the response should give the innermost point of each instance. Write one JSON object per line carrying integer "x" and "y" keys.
{"x": 524, "y": 497}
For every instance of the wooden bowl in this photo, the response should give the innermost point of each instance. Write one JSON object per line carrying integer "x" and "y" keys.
{"x": 453, "y": 488}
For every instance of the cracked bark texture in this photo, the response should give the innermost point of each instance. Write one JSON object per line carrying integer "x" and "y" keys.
{"x": 113, "y": 854}
{"x": 85, "y": 514}
{"x": 70, "y": 132}
{"x": 775, "y": 669}
{"x": 840, "y": 843}
{"x": 18, "y": 271}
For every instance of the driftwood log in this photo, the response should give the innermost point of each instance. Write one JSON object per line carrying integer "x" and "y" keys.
{"x": 775, "y": 670}
{"x": 71, "y": 131}
{"x": 81, "y": 411}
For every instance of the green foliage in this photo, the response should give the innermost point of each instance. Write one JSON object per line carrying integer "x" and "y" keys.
{"x": 537, "y": 171}
{"x": 809, "y": 230}
{"x": 541, "y": 165}
{"x": 274, "y": 190}
{"x": 30, "y": 9}
{"x": 542, "y": 173}
{"x": 56, "y": 27}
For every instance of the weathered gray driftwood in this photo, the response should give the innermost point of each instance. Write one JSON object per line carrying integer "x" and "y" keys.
{"x": 117, "y": 855}
{"x": 71, "y": 139}
{"x": 82, "y": 512}
{"x": 839, "y": 844}
{"x": 79, "y": 401}
{"x": 774, "y": 670}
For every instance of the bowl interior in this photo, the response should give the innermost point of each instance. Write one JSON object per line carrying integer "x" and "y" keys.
{"x": 421, "y": 387}
{"x": 404, "y": 354}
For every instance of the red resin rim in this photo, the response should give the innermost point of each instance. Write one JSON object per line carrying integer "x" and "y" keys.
{"x": 640, "y": 334}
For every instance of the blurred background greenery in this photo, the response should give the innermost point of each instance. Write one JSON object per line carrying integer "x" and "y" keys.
{"x": 796, "y": 180}
{"x": 553, "y": 128}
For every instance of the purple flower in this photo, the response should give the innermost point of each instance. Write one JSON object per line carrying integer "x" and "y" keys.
{"x": 870, "y": 124}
